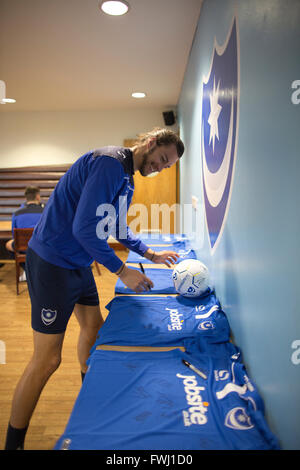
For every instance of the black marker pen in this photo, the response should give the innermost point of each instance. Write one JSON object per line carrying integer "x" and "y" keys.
{"x": 143, "y": 271}
{"x": 194, "y": 369}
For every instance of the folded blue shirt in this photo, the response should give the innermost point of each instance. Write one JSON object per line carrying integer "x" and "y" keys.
{"x": 181, "y": 247}
{"x": 152, "y": 400}
{"x": 167, "y": 320}
{"x": 162, "y": 279}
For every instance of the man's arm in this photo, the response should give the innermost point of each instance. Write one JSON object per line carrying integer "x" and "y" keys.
{"x": 99, "y": 192}
{"x": 133, "y": 243}
{"x": 130, "y": 241}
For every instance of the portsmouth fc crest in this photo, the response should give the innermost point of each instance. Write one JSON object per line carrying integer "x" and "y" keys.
{"x": 48, "y": 316}
{"x": 220, "y": 104}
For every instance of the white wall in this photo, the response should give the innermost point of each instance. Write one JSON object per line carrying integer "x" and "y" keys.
{"x": 42, "y": 138}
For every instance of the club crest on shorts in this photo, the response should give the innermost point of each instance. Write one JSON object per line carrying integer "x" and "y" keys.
{"x": 219, "y": 125}
{"x": 48, "y": 316}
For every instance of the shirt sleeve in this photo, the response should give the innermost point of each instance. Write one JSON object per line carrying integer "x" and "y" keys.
{"x": 132, "y": 242}
{"x": 13, "y": 224}
{"x": 96, "y": 212}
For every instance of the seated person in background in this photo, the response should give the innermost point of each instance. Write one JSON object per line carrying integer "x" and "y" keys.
{"x": 27, "y": 216}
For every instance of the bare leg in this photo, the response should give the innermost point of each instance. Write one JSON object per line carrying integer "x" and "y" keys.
{"x": 45, "y": 360}
{"x": 90, "y": 321}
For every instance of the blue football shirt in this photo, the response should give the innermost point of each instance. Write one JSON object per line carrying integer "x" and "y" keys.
{"x": 160, "y": 321}
{"x": 152, "y": 400}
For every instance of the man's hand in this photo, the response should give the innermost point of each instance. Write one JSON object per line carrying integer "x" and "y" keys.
{"x": 165, "y": 257}
{"x": 135, "y": 280}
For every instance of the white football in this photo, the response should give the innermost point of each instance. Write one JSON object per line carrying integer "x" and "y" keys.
{"x": 191, "y": 278}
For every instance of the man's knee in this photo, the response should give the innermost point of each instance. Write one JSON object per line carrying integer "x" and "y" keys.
{"x": 54, "y": 363}
{"x": 47, "y": 366}
{"x": 47, "y": 353}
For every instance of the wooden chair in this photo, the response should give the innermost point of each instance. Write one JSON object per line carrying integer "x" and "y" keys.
{"x": 21, "y": 239}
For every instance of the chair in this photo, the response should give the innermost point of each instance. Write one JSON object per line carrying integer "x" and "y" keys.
{"x": 21, "y": 239}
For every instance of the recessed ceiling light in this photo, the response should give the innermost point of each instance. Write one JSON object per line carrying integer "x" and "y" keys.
{"x": 138, "y": 94}
{"x": 7, "y": 100}
{"x": 114, "y": 7}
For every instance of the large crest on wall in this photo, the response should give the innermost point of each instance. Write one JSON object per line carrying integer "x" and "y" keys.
{"x": 219, "y": 124}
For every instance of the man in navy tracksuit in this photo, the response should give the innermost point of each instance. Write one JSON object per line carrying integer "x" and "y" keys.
{"x": 27, "y": 216}
{"x": 87, "y": 205}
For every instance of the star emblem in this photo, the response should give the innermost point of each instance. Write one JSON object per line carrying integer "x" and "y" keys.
{"x": 241, "y": 418}
{"x": 215, "y": 109}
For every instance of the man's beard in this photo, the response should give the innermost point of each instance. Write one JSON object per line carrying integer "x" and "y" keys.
{"x": 145, "y": 161}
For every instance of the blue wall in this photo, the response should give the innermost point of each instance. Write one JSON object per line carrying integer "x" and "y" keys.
{"x": 255, "y": 267}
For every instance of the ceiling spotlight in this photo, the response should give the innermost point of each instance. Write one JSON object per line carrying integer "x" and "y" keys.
{"x": 138, "y": 94}
{"x": 114, "y": 7}
{"x": 7, "y": 100}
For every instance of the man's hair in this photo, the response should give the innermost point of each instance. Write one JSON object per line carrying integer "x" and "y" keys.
{"x": 163, "y": 137}
{"x": 31, "y": 192}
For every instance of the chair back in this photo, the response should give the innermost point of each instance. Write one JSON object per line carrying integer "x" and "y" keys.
{"x": 21, "y": 238}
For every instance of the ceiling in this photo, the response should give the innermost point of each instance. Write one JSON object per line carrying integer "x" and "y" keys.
{"x": 69, "y": 55}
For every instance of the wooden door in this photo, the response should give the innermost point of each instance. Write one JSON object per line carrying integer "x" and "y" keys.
{"x": 155, "y": 201}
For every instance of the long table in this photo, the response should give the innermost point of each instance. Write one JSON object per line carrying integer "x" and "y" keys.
{"x": 163, "y": 374}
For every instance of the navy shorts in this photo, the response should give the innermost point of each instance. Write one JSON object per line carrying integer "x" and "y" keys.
{"x": 54, "y": 291}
